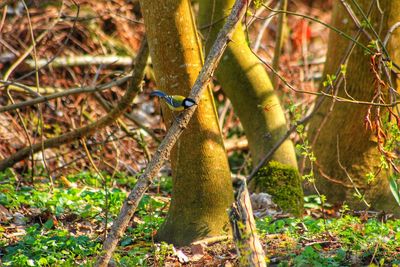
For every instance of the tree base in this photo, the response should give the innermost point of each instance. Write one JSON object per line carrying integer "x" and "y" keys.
{"x": 182, "y": 231}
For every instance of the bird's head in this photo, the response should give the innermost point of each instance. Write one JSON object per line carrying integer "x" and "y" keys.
{"x": 188, "y": 102}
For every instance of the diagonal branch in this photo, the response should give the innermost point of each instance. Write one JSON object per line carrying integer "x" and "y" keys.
{"x": 130, "y": 205}
{"x": 72, "y": 91}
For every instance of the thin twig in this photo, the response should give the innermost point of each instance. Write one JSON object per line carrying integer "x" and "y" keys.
{"x": 390, "y": 33}
{"x": 41, "y": 124}
{"x": 103, "y": 179}
{"x": 260, "y": 34}
{"x": 347, "y": 173}
{"x": 279, "y": 39}
{"x": 355, "y": 19}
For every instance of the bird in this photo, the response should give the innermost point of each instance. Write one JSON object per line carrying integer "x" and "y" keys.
{"x": 175, "y": 102}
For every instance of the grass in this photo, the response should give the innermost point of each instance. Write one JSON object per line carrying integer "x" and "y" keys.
{"x": 65, "y": 227}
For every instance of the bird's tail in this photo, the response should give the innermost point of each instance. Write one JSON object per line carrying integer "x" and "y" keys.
{"x": 158, "y": 93}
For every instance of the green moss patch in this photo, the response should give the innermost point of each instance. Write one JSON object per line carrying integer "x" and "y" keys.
{"x": 283, "y": 183}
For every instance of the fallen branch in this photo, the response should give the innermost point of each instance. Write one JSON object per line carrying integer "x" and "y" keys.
{"x": 77, "y": 134}
{"x": 161, "y": 155}
{"x": 235, "y": 143}
{"x": 83, "y": 60}
{"x": 212, "y": 240}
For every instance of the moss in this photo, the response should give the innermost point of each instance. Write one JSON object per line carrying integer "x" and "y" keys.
{"x": 283, "y": 182}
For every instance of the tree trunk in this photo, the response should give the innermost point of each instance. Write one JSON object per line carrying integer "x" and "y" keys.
{"x": 202, "y": 189}
{"x": 343, "y": 130}
{"x": 249, "y": 88}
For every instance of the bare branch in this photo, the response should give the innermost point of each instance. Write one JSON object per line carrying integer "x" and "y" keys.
{"x": 73, "y": 91}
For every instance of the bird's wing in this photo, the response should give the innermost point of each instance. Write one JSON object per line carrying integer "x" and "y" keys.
{"x": 174, "y": 101}
{"x": 158, "y": 93}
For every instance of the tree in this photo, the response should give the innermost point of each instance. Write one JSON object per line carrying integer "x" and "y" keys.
{"x": 202, "y": 188}
{"x": 347, "y": 152}
{"x": 250, "y": 90}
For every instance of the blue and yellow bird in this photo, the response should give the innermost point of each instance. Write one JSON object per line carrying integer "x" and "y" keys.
{"x": 174, "y": 102}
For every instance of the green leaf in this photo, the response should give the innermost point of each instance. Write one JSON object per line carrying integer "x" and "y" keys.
{"x": 43, "y": 261}
{"x": 343, "y": 69}
{"x": 394, "y": 188}
{"x": 48, "y": 224}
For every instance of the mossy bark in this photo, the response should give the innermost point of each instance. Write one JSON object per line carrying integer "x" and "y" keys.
{"x": 287, "y": 193}
{"x": 344, "y": 127}
{"x": 202, "y": 189}
{"x": 249, "y": 88}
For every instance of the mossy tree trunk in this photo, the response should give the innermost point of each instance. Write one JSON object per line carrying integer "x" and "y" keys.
{"x": 249, "y": 88}
{"x": 202, "y": 188}
{"x": 344, "y": 128}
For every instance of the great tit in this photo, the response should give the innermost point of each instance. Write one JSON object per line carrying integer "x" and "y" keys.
{"x": 175, "y": 102}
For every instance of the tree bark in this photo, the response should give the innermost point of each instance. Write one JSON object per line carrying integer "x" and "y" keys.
{"x": 202, "y": 189}
{"x": 250, "y": 90}
{"x": 341, "y": 137}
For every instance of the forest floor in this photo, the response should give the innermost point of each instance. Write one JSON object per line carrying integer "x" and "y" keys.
{"x": 64, "y": 226}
